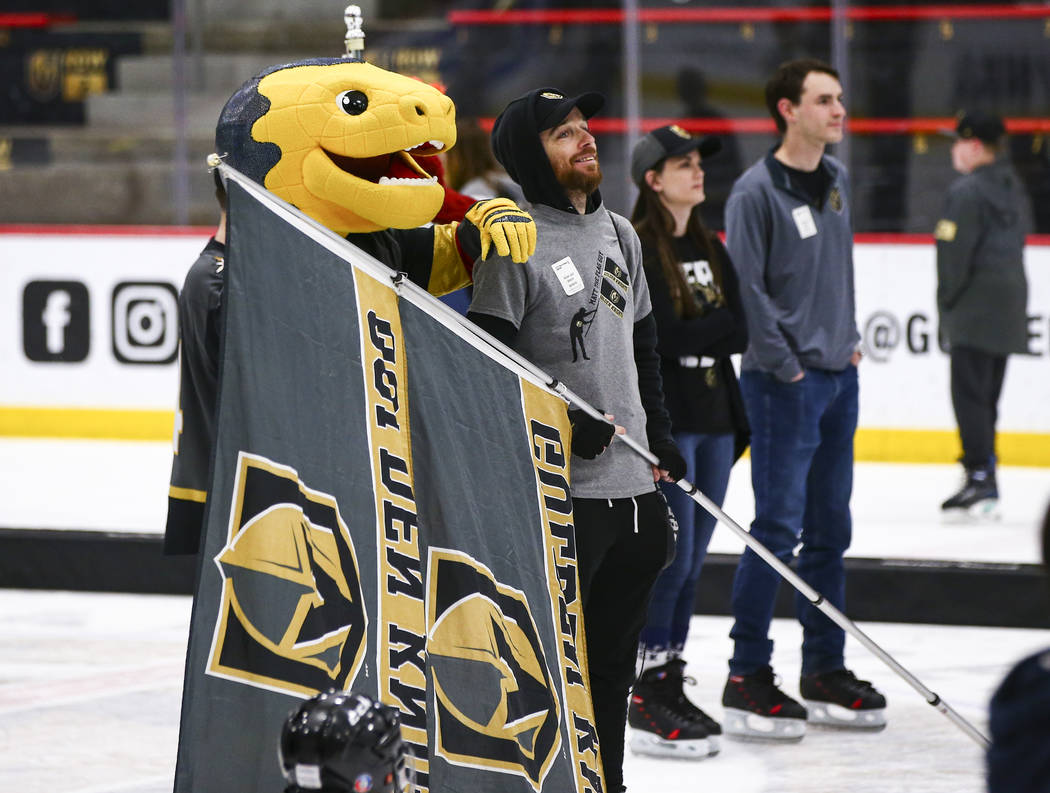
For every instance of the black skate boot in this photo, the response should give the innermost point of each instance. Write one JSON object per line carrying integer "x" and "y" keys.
{"x": 663, "y": 721}
{"x": 977, "y": 500}
{"x": 839, "y": 699}
{"x": 755, "y": 709}
{"x": 677, "y": 680}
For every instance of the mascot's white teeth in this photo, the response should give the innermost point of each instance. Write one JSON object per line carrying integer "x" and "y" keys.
{"x": 388, "y": 180}
{"x": 437, "y": 144}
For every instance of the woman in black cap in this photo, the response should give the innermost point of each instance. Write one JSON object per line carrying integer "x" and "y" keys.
{"x": 700, "y": 323}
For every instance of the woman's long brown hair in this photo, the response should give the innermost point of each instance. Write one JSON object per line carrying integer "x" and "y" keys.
{"x": 471, "y": 156}
{"x": 655, "y": 225}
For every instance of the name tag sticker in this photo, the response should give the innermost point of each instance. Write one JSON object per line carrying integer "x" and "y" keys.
{"x": 568, "y": 276}
{"x": 807, "y": 227}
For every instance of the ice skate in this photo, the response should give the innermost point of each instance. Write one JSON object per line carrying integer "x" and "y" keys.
{"x": 756, "y": 710}
{"x": 677, "y": 679}
{"x": 976, "y": 501}
{"x": 663, "y": 722}
{"x": 839, "y": 699}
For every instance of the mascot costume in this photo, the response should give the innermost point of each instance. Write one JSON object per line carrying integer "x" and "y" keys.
{"x": 337, "y": 138}
{"x": 334, "y": 136}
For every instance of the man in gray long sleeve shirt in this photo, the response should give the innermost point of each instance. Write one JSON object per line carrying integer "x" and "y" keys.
{"x": 796, "y": 251}
{"x": 789, "y": 233}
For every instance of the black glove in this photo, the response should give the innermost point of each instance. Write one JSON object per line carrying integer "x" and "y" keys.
{"x": 590, "y": 437}
{"x": 672, "y": 533}
{"x": 671, "y": 460}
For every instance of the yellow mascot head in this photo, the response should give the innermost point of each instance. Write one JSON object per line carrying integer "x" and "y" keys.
{"x": 323, "y": 133}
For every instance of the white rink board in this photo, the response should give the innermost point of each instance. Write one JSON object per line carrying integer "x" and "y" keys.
{"x": 904, "y": 379}
{"x": 133, "y": 274}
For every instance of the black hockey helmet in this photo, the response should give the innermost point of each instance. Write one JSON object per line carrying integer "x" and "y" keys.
{"x": 340, "y": 742}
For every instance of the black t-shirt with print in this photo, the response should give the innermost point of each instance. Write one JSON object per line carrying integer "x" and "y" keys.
{"x": 696, "y": 391}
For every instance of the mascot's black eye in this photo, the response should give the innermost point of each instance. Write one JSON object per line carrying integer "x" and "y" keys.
{"x": 353, "y": 103}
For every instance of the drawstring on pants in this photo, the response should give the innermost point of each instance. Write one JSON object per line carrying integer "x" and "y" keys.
{"x": 634, "y": 504}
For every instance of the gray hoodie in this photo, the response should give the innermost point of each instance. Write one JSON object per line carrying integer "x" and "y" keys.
{"x": 577, "y": 306}
{"x": 982, "y": 293}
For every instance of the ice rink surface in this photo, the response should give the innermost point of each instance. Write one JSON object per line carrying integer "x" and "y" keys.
{"x": 122, "y": 486}
{"x": 90, "y": 688}
{"x": 90, "y": 684}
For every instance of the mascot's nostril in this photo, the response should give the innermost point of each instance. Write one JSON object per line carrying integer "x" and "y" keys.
{"x": 413, "y": 109}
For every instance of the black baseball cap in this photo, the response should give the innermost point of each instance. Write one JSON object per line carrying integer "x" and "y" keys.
{"x": 552, "y": 106}
{"x": 986, "y": 127}
{"x": 664, "y": 142}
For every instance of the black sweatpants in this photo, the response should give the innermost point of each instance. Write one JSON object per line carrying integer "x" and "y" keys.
{"x": 977, "y": 381}
{"x": 622, "y": 544}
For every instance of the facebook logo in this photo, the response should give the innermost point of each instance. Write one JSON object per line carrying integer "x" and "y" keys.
{"x": 56, "y": 321}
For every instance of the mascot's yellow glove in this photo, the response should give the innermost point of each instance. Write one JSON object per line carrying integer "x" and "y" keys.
{"x": 501, "y": 223}
{"x": 496, "y": 222}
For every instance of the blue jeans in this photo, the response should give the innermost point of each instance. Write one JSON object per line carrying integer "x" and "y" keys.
{"x": 708, "y": 460}
{"x": 802, "y": 474}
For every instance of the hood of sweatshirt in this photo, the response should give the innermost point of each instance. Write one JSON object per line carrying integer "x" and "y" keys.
{"x": 516, "y": 143}
{"x": 999, "y": 187}
{"x": 1019, "y": 721}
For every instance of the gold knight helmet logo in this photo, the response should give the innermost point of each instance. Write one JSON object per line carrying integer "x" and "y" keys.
{"x": 835, "y": 199}
{"x": 496, "y": 706}
{"x": 292, "y": 613}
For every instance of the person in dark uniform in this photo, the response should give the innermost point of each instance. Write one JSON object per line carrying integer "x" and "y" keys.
{"x": 1019, "y": 717}
{"x": 982, "y": 296}
{"x": 200, "y": 328}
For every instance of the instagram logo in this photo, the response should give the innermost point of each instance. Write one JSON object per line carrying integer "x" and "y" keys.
{"x": 145, "y": 322}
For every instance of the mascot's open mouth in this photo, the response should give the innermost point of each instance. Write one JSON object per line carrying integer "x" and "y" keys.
{"x": 394, "y": 168}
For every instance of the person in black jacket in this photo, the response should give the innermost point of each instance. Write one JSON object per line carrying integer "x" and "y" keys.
{"x": 1019, "y": 718}
{"x": 700, "y": 323}
{"x": 981, "y": 298}
{"x": 200, "y": 332}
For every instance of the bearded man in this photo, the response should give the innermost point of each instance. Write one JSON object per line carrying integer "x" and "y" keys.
{"x": 586, "y": 279}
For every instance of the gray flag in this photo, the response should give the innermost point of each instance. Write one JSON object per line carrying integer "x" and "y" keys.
{"x": 389, "y": 514}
